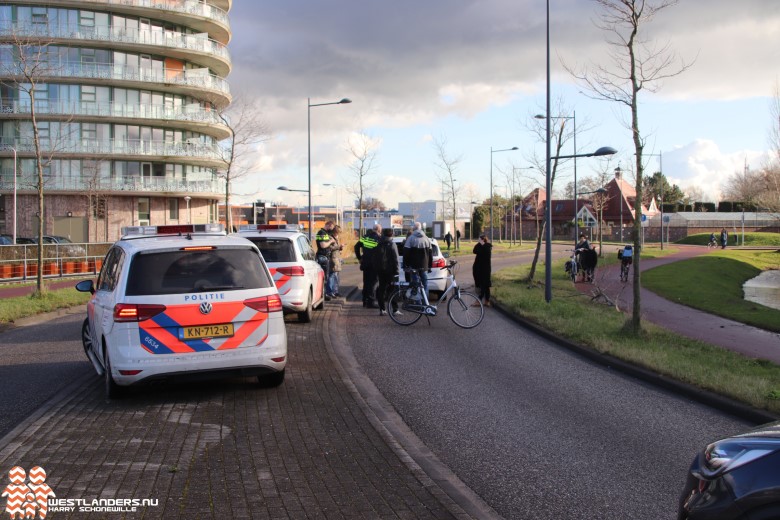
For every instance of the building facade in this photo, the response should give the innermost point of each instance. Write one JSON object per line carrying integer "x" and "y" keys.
{"x": 126, "y": 96}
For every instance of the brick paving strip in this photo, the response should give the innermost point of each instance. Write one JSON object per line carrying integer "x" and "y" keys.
{"x": 229, "y": 449}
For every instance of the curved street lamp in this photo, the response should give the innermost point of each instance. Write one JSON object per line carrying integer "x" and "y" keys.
{"x": 601, "y": 152}
{"x": 308, "y": 113}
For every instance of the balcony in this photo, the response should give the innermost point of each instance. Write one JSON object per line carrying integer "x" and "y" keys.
{"x": 203, "y": 17}
{"x": 191, "y": 82}
{"x": 129, "y": 185}
{"x": 187, "y": 152}
{"x": 214, "y": 54}
{"x": 189, "y": 114}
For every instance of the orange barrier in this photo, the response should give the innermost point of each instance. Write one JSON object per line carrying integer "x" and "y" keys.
{"x": 51, "y": 268}
{"x": 95, "y": 265}
{"x": 6, "y": 271}
{"x": 68, "y": 267}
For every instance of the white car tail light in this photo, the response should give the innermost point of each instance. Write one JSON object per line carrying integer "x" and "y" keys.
{"x": 267, "y": 304}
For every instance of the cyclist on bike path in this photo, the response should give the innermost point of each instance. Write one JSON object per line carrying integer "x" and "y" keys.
{"x": 418, "y": 254}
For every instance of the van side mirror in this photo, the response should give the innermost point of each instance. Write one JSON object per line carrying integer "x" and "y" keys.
{"x": 86, "y": 286}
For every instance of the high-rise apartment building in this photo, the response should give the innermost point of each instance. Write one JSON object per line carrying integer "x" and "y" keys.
{"x": 127, "y": 96}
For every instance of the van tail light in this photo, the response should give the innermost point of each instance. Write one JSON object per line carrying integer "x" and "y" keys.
{"x": 293, "y": 270}
{"x": 136, "y": 312}
{"x": 267, "y": 304}
{"x": 440, "y": 263}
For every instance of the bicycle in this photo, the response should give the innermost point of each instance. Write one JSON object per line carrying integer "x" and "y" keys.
{"x": 712, "y": 244}
{"x": 625, "y": 262}
{"x": 572, "y": 267}
{"x": 409, "y": 302}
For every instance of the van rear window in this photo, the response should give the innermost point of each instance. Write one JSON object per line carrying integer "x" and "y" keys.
{"x": 177, "y": 272}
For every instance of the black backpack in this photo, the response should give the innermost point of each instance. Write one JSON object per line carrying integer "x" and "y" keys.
{"x": 382, "y": 257}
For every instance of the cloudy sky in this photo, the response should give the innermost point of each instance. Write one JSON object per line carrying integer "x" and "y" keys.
{"x": 472, "y": 72}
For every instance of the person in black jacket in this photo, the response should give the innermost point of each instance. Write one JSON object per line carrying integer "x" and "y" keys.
{"x": 386, "y": 268}
{"x": 364, "y": 250}
{"x": 482, "y": 268}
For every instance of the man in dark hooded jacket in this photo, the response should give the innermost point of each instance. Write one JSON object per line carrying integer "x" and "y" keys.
{"x": 418, "y": 254}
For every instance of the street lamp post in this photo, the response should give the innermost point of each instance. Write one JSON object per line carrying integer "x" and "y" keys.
{"x": 308, "y": 113}
{"x": 573, "y": 117}
{"x": 491, "y": 183}
{"x": 15, "y": 212}
{"x": 285, "y": 188}
{"x": 187, "y": 199}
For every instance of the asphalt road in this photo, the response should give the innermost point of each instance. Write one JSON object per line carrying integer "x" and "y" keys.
{"x": 38, "y": 363}
{"x": 533, "y": 429}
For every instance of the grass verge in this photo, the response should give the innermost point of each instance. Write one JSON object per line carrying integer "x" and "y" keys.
{"x": 12, "y": 309}
{"x": 713, "y": 283}
{"x": 573, "y": 316}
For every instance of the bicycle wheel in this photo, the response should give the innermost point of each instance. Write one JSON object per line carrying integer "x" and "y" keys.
{"x": 466, "y": 310}
{"x": 396, "y": 309}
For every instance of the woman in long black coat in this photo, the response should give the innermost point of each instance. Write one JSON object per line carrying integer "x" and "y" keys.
{"x": 482, "y": 269}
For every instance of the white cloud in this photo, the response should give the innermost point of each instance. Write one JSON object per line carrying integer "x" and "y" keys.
{"x": 703, "y": 165}
{"x": 437, "y": 65}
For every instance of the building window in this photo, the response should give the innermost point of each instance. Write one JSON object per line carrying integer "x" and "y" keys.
{"x": 173, "y": 209}
{"x": 144, "y": 211}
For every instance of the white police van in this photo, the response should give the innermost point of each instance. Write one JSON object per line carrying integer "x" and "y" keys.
{"x": 184, "y": 302}
{"x": 291, "y": 260}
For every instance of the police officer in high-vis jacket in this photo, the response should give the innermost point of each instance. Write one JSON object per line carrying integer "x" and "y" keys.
{"x": 364, "y": 250}
{"x": 324, "y": 241}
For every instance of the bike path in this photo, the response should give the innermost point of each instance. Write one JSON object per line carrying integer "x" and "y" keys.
{"x": 687, "y": 321}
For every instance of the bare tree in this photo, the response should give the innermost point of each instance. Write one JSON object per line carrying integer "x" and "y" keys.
{"x": 448, "y": 167}
{"x": 774, "y": 130}
{"x": 636, "y": 64}
{"x": 25, "y": 66}
{"x": 247, "y": 130}
{"x": 756, "y": 188}
{"x": 560, "y": 134}
{"x": 363, "y": 150}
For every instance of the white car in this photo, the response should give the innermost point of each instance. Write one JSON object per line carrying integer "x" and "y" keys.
{"x": 288, "y": 254}
{"x": 437, "y": 278}
{"x": 183, "y": 302}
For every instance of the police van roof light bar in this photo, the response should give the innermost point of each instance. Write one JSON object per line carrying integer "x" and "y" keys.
{"x": 174, "y": 229}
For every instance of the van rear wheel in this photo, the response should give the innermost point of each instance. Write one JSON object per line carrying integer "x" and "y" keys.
{"x": 271, "y": 380}
{"x": 305, "y": 315}
{"x": 113, "y": 390}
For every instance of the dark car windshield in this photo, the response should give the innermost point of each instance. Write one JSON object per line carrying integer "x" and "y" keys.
{"x": 275, "y": 249}
{"x": 176, "y": 272}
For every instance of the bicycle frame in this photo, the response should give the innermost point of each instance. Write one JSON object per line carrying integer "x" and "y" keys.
{"x": 459, "y": 302}
{"x": 429, "y": 309}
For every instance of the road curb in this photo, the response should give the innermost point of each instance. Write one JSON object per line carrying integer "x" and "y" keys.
{"x": 719, "y": 402}
{"x": 42, "y": 318}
